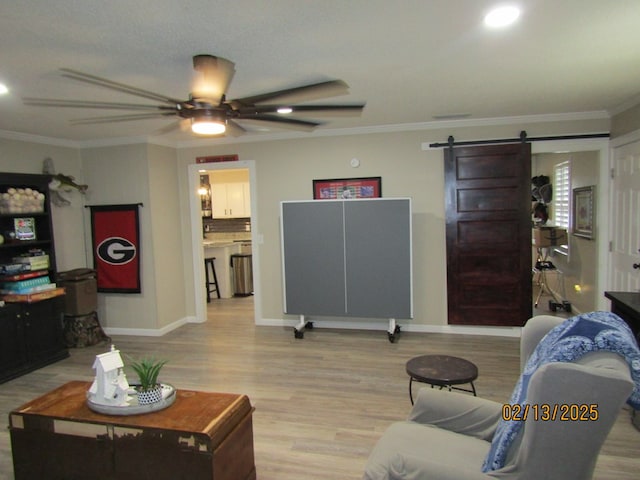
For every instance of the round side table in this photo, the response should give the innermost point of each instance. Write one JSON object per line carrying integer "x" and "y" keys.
{"x": 442, "y": 371}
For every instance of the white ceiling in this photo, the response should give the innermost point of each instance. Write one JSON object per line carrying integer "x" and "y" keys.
{"x": 409, "y": 60}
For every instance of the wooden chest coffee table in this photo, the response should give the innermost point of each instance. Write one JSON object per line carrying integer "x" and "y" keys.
{"x": 201, "y": 436}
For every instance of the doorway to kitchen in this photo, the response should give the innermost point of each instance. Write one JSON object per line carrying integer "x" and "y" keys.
{"x": 222, "y": 234}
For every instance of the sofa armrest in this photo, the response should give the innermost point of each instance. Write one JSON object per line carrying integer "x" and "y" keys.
{"x": 457, "y": 412}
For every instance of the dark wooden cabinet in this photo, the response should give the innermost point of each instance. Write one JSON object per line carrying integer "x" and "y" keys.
{"x": 30, "y": 336}
{"x": 13, "y": 350}
{"x": 30, "y": 333}
{"x": 627, "y": 306}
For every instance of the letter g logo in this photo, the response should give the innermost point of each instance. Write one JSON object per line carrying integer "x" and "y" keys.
{"x": 116, "y": 251}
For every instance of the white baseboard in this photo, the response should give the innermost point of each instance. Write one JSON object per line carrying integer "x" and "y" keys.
{"x": 149, "y": 332}
{"x": 406, "y": 326}
{"x": 381, "y": 325}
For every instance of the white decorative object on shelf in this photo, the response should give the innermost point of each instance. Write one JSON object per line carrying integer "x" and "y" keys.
{"x": 21, "y": 200}
{"x": 110, "y": 386}
{"x": 111, "y": 393}
{"x": 135, "y": 407}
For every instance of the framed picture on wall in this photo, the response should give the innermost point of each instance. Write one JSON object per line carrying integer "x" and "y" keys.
{"x": 584, "y": 212}
{"x": 339, "y": 188}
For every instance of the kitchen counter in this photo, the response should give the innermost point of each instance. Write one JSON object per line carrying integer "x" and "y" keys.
{"x": 217, "y": 243}
{"x": 222, "y": 250}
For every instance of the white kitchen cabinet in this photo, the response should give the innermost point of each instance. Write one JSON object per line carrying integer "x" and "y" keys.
{"x": 231, "y": 200}
{"x": 246, "y": 190}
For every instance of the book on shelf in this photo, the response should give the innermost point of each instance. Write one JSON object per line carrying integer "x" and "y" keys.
{"x": 27, "y": 283}
{"x": 16, "y": 268}
{"x": 32, "y": 252}
{"x": 13, "y": 268}
{"x": 33, "y": 297}
{"x": 23, "y": 275}
{"x": 33, "y": 289}
{"x": 35, "y": 262}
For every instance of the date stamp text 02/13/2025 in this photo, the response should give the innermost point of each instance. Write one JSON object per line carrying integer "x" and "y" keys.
{"x": 546, "y": 412}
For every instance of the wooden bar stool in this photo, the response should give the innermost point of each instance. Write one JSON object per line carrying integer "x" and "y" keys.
{"x": 209, "y": 262}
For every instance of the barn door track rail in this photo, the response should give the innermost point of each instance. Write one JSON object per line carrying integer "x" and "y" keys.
{"x": 522, "y": 138}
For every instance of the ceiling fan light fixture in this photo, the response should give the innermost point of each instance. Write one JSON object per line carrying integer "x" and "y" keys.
{"x": 285, "y": 110}
{"x": 208, "y": 125}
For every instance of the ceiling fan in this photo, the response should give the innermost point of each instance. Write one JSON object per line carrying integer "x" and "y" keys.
{"x": 207, "y": 111}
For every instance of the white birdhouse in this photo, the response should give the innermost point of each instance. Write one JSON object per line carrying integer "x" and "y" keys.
{"x": 110, "y": 384}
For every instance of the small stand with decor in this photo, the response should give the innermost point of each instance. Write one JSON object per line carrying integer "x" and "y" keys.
{"x": 81, "y": 325}
{"x": 543, "y": 239}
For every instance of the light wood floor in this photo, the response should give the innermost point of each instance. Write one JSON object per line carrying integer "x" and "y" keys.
{"x": 321, "y": 402}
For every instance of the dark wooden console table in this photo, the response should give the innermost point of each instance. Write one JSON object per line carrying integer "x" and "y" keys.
{"x": 201, "y": 436}
{"x": 627, "y": 306}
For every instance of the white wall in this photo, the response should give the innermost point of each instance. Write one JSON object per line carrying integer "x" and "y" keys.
{"x": 287, "y": 168}
{"x": 120, "y": 175}
{"x": 285, "y": 171}
{"x": 166, "y": 236}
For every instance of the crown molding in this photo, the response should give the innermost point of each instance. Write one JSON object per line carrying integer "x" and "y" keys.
{"x": 623, "y": 107}
{"x": 27, "y": 137}
{"x": 268, "y": 137}
{"x": 405, "y": 127}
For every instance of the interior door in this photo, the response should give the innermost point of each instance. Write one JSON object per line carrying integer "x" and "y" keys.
{"x": 488, "y": 228}
{"x": 625, "y": 218}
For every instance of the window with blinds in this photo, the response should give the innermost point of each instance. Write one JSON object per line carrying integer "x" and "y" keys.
{"x": 561, "y": 194}
{"x": 562, "y": 198}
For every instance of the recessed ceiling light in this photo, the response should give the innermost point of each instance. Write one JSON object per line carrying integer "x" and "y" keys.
{"x": 502, "y": 16}
{"x": 3, "y": 89}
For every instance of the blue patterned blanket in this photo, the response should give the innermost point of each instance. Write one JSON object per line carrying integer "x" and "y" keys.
{"x": 566, "y": 343}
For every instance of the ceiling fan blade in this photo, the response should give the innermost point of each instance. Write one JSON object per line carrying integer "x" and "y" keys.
{"x": 53, "y": 102}
{"x": 120, "y": 87}
{"x": 120, "y": 118}
{"x": 305, "y": 93}
{"x": 234, "y": 129}
{"x": 214, "y": 78}
{"x": 316, "y": 110}
{"x": 293, "y": 123}
{"x": 182, "y": 125}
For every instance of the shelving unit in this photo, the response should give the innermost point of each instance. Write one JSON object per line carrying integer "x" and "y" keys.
{"x": 31, "y": 332}
{"x": 43, "y": 225}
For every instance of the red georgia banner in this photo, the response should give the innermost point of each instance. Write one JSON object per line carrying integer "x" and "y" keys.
{"x": 116, "y": 248}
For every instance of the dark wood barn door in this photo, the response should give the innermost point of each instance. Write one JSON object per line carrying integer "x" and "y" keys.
{"x": 488, "y": 227}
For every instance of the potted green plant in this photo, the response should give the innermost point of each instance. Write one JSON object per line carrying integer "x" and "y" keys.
{"x": 149, "y": 389}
